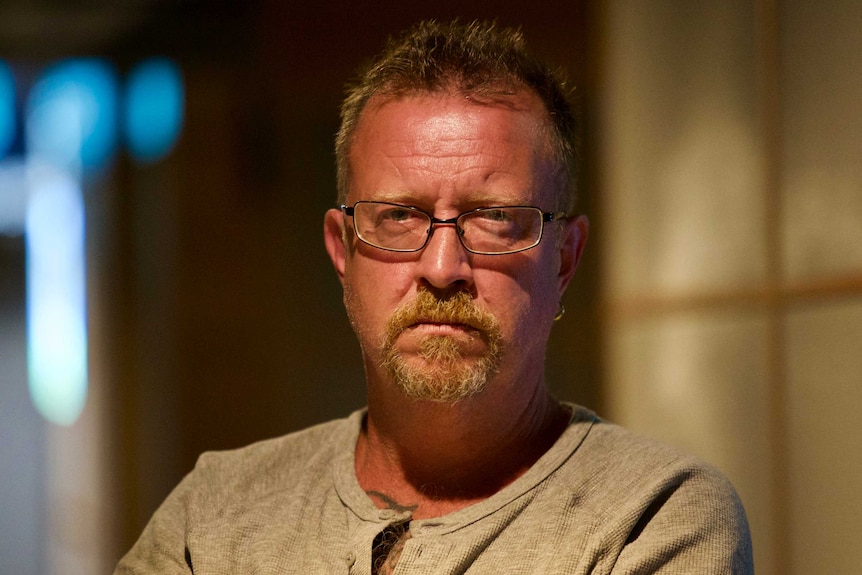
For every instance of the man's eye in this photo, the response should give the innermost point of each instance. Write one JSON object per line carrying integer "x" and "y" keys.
{"x": 496, "y": 215}
{"x": 398, "y": 218}
{"x": 396, "y": 215}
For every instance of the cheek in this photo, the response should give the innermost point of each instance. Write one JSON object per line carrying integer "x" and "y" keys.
{"x": 525, "y": 303}
{"x": 537, "y": 313}
{"x": 372, "y": 291}
{"x": 353, "y": 305}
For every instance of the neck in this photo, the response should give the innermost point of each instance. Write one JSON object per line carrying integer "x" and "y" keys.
{"x": 440, "y": 457}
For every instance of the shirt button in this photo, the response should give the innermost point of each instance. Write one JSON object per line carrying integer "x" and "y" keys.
{"x": 386, "y": 514}
{"x": 351, "y": 558}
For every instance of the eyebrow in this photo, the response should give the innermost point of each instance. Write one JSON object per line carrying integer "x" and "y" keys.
{"x": 477, "y": 199}
{"x": 399, "y": 197}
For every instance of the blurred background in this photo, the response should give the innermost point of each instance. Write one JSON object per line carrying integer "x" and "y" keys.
{"x": 164, "y": 170}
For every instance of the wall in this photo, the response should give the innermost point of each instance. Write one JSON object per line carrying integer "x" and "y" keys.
{"x": 732, "y": 213}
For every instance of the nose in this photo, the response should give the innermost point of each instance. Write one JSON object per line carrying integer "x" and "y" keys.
{"x": 444, "y": 262}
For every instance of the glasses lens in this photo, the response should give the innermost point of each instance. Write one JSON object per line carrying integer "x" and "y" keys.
{"x": 501, "y": 230}
{"x": 390, "y": 226}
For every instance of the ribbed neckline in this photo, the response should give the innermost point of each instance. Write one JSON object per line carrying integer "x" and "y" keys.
{"x": 352, "y": 495}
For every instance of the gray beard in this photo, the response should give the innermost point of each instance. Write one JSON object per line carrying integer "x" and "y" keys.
{"x": 446, "y": 376}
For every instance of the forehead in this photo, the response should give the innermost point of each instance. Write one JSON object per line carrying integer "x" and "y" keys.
{"x": 521, "y": 110}
{"x": 454, "y": 139}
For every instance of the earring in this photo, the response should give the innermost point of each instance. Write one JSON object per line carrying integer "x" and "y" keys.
{"x": 560, "y": 313}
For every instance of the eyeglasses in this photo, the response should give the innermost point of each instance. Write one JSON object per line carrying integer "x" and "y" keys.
{"x": 488, "y": 231}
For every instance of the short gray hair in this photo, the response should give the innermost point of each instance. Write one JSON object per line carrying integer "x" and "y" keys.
{"x": 478, "y": 59}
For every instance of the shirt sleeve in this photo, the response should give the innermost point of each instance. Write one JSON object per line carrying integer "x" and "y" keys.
{"x": 161, "y": 548}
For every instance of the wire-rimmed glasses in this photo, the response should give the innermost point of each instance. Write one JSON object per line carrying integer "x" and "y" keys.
{"x": 493, "y": 230}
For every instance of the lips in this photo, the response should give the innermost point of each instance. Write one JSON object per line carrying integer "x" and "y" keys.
{"x": 441, "y": 328}
{"x": 455, "y": 323}
{"x": 428, "y": 314}
{"x": 462, "y": 315}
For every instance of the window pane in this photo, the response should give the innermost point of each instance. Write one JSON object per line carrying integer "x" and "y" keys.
{"x": 822, "y": 76}
{"x": 824, "y": 427}
{"x": 682, "y": 165}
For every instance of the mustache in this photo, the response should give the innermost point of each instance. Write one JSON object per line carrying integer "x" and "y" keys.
{"x": 458, "y": 308}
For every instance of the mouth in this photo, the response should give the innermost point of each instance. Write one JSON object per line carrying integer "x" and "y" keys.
{"x": 456, "y": 317}
{"x": 445, "y": 319}
{"x": 441, "y": 327}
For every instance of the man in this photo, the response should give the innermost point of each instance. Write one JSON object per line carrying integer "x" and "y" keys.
{"x": 454, "y": 242}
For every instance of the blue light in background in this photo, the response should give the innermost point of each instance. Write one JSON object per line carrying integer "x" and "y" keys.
{"x": 56, "y": 295}
{"x": 71, "y": 119}
{"x": 71, "y": 114}
{"x": 154, "y": 109}
{"x": 70, "y": 128}
{"x": 7, "y": 109}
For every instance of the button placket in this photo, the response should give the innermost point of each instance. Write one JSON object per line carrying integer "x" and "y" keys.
{"x": 386, "y": 514}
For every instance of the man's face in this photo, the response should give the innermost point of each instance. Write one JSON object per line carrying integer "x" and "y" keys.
{"x": 443, "y": 322}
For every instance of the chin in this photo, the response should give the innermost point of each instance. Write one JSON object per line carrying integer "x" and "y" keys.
{"x": 449, "y": 380}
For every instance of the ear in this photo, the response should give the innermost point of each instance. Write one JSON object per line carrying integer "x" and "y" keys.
{"x": 334, "y": 238}
{"x": 574, "y": 239}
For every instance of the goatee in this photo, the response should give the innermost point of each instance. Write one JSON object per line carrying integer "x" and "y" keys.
{"x": 446, "y": 374}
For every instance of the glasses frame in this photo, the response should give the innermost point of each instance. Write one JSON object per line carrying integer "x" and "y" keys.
{"x": 432, "y": 221}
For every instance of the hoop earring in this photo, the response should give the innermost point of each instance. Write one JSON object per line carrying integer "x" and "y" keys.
{"x": 560, "y": 313}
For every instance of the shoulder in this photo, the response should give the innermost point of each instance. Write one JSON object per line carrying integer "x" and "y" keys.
{"x": 273, "y": 464}
{"x": 650, "y": 499}
{"x": 628, "y": 459}
{"x": 230, "y": 492}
